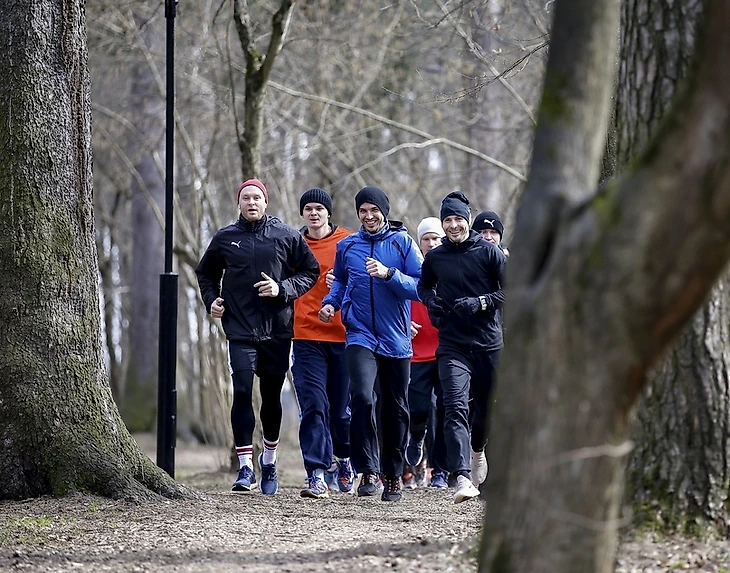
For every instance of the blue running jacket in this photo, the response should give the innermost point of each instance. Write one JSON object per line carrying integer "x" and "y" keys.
{"x": 376, "y": 312}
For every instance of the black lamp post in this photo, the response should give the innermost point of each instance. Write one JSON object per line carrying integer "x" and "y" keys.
{"x": 167, "y": 357}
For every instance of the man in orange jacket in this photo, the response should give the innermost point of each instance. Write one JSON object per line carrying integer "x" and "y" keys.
{"x": 319, "y": 366}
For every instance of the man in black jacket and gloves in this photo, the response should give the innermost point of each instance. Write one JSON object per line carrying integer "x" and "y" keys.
{"x": 264, "y": 266}
{"x": 461, "y": 286}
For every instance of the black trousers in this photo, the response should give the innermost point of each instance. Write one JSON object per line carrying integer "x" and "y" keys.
{"x": 392, "y": 374}
{"x": 464, "y": 374}
{"x": 426, "y": 403}
{"x": 269, "y": 360}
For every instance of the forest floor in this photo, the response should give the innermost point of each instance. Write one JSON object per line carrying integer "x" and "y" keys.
{"x": 223, "y": 531}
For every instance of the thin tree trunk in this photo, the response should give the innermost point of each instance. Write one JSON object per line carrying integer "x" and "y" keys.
{"x": 139, "y": 401}
{"x": 59, "y": 426}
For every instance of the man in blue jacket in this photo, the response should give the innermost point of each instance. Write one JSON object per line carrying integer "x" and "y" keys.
{"x": 375, "y": 276}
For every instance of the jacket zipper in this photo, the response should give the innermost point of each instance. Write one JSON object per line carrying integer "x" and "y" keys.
{"x": 372, "y": 298}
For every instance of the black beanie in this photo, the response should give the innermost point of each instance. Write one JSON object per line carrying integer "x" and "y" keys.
{"x": 488, "y": 220}
{"x": 374, "y": 195}
{"x": 455, "y": 203}
{"x": 316, "y": 195}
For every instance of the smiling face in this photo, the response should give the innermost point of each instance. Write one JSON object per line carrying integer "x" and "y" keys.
{"x": 491, "y": 235}
{"x": 315, "y": 215}
{"x": 371, "y": 217}
{"x": 456, "y": 228}
{"x": 430, "y": 241}
{"x": 252, "y": 203}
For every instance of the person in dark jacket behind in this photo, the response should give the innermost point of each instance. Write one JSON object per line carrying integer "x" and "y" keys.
{"x": 264, "y": 266}
{"x": 461, "y": 286}
{"x": 375, "y": 276}
{"x": 490, "y": 226}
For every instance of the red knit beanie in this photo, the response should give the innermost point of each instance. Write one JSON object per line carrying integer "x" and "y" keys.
{"x": 255, "y": 183}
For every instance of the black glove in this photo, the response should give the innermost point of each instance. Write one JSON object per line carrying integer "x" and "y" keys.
{"x": 435, "y": 310}
{"x": 467, "y": 306}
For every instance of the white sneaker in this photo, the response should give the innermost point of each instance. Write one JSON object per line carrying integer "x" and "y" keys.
{"x": 479, "y": 467}
{"x": 464, "y": 489}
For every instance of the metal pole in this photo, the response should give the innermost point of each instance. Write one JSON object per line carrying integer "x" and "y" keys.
{"x": 167, "y": 356}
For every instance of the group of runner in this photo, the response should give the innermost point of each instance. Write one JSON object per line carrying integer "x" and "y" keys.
{"x": 385, "y": 333}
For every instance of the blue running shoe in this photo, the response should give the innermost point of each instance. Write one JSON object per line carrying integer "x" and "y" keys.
{"x": 439, "y": 479}
{"x": 345, "y": 475}
{"x": 316, "y": 488}
{"x": 246, "y": 480}
{"x": 414, "y": 452}
{"x": 269, "y": 481}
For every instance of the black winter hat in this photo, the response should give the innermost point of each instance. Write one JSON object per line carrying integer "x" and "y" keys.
{"x": 455, "y": 203}
{"x": 488, "y": 220}
{"x": 316, "y": 195}
{"x": 374, "y": 195}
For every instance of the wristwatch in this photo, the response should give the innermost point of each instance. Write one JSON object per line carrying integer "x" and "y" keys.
{"x": 391, "y": 272}
{"x": 483, "y": 302}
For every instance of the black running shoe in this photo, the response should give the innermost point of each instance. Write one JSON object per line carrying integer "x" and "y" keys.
{"x": 368, "y": 485}
{"x": 391, "y": 490}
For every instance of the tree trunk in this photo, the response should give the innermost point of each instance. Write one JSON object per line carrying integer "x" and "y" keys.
{"x": 258, "y": 69}
{"x": 139, "y": 401}
{"x": 59, "y": 426}
{"x": 589, "y": 310}
{"x": 678, "y": 472}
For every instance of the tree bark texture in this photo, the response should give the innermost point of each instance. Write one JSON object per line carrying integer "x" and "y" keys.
{"x": 590, "y": 311}
{"x": 138, "y": 405}
{"x": 679, "y": 473}
{"x": 59, "y": 426}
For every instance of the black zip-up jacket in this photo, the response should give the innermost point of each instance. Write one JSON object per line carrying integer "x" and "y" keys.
{"x": 238, "y": 254}
{"x": 454, "y": 270}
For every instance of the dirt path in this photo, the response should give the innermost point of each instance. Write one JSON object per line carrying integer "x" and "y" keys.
{"x": 229, "y": 532}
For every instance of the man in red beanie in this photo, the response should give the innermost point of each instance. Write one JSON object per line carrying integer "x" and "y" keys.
{"x": 249, "y": 277}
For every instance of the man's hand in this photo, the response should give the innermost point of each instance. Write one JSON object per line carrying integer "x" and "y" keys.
{"x": 415, "y": 327}
{"x": 267, "y": 287}
{"x": 435, "y": 308}
{"x": 329, "y": 278}
{"x": 217, "y": 309}
{"x": 466, "y": 306}
{"x": 435, "y": 311}
{"x": 376, "y": 268}
{"x": 326, "y": 313}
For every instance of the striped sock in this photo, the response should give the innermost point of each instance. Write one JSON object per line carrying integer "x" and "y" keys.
{"x": 269, "y": 455}
{"x": 245, "y": 456}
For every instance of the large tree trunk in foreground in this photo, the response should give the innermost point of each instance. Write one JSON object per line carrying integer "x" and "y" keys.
{"x": 678, "y": 472}
{"x": 59, "y": 426}
{"x": 590, "y": 311}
